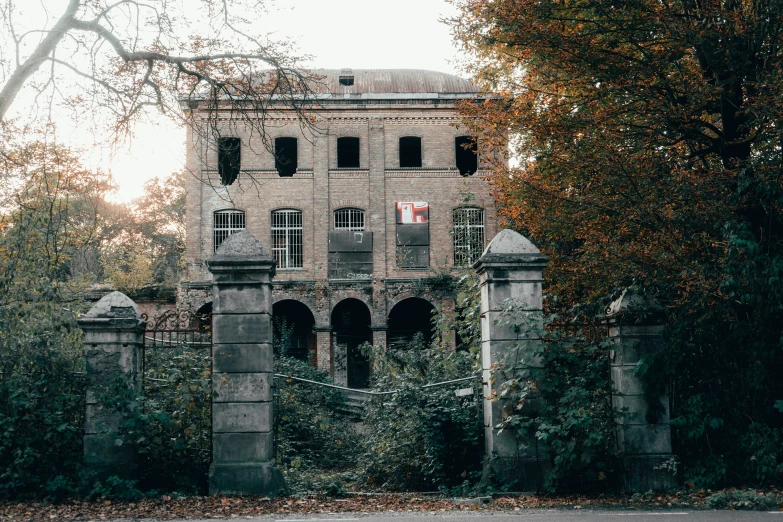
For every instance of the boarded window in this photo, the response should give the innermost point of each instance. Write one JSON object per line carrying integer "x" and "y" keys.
{"x": 285, "y": 156}
{"x": 468, "y": 235}
{"x": 467, "y": 157}
{"x": 225, "y": 223}
{"x": 413, "y": 234}
{"x": 410, "y": 152}
{"x": 287, "y": 238}
{"x": 347, "y": 153}
{"x": 351, "y": 219}
{"x": 229, "y": 158}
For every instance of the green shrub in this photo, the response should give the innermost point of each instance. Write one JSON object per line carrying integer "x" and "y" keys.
{"x": 749, "y": 499}
{"x": 420, "y": 439}
{"x": 310, "y": 434}
{"x": 173, "y": 426}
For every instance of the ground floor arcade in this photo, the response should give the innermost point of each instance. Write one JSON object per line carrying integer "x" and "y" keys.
{"x": 327, "y": 324}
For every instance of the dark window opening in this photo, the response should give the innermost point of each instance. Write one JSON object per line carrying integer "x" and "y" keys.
{"x": 229, "y": 157}
{"x": 285, "y": 156}
{"x": 410, "y": 152}
{"x": 467, "y": 155}
{"x": 346, "y": 80}
{"x": 347, "y": 153}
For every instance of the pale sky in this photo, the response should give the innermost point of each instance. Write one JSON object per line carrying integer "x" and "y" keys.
{"x": 358, "y": 34}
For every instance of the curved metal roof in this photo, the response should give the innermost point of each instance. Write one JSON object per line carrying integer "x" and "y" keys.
{"x": 383, "y": 81}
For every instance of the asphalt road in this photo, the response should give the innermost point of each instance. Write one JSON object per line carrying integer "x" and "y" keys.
{"x": 544, "y": 515}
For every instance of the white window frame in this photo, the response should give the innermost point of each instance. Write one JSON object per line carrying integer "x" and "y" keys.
{"x": 468, "y": 235}
{"x": 224, "y": 223}
{"x": 349, "y": 218}
{"x": 287, "y": 238}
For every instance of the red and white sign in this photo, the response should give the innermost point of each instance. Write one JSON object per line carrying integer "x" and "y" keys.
{"x": 409, "y": 212}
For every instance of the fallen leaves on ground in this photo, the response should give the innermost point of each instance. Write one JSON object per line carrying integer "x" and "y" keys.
{"x": 167, "y": 508}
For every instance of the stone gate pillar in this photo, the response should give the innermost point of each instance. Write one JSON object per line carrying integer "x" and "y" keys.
{"x": 510, "y": 274}
{"x": 243, "y": 460}
{"x": 644, "y": 445}
{"x": 113, "y": 339}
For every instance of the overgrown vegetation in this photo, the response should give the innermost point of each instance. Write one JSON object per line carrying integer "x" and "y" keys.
{"x": 649, "y": 140}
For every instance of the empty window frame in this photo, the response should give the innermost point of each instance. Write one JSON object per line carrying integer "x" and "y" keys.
{"x": 468, "y": 235}
{"x": 346, "y": 80}
{"x": 466, "y": 154}
{"x": 225, "y": 223}
{"x": 351, "y": 219}
{"x": 285, "y": 156}
{"x": 410, "y": 152}
{"x": 348, "y": 153}
{"x": 287, "y": 238}
{"x": 229, "y": 159}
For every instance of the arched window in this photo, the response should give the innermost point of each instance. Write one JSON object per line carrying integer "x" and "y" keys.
{"x": 468, "y": 235}
{"x": 225, "y": 223}
{"x": 351, "y": 219}
{"x": 287, "y": 238}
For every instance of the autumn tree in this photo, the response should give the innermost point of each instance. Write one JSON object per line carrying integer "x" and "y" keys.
{"x": 645, "y": 146}
{"x": 107, "y": 62}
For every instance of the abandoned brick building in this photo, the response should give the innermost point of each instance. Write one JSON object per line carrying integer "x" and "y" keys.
{"x": 359, "y": 210}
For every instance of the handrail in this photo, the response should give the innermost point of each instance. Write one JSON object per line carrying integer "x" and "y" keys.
{"x": 366, "y": 392}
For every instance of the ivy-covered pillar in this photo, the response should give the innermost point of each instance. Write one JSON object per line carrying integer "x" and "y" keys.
{"x": 243, "y": 460}
{"x": 113, "y": 340}
{"x": 644, "y": 440}
{"x": 511, "y": 317}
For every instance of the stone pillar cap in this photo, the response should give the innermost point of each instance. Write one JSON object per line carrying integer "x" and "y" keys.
{"x": 241, "y": 249}
{"x": 635, "y": 306}
{"x": 241, "y": 244}
{"x": 509, "y": 246}
{"x": 116, "y": 309}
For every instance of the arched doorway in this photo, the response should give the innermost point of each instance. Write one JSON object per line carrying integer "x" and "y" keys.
{"x": 293, "y": 330}
{"x": 351, "y": 329}
{"x": 409, "y": 317}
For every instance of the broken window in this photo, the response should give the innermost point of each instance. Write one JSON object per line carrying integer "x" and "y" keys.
{"x": 287, "y": 243}
{"x": 225, "y": 223}
{"x": 468, "y": 235}
{"x": 229, "y": 156}
{"x": 346, "y": 80}
{"x": 285, "y": 156}
{"x": 351, "y": 219}
{"x": 347, "y": 153}
{"x": 410, "y": 152}
{"x": 467, "y": 155}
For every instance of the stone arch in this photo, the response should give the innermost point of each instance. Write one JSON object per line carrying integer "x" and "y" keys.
{"x": 342, "y": 295}
{"x": 294, "y": 329}
{"x": 351, "y": 320}
{"x": 408, "y": 295}
{"x": 407, "y": 318}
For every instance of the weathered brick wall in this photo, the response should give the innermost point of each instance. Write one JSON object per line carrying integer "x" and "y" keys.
{"x": 319, "y": 187}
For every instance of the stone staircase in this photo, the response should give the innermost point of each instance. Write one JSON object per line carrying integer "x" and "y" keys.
{"x": 354, "y": 405}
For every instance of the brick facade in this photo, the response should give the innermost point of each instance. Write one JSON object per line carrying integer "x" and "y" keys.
{"x": 410, "y": 103}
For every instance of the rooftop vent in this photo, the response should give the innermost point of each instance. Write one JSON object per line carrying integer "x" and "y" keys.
{"x": 346, "y": 77}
